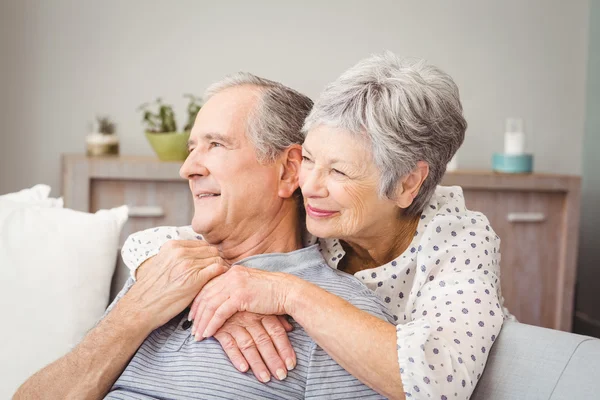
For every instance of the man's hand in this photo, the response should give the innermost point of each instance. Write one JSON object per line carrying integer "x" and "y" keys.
{"x": 258, "y": 342}
{"x": 172, "y": 279}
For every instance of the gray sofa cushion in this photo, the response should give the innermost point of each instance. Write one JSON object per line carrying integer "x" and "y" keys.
{"x": 529, "y": 362}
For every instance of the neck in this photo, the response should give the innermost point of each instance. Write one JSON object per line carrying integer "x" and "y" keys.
{"x": 281, "y": 234}
{"x": 390, "y": 241}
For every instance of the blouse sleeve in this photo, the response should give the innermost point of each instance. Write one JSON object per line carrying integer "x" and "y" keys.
{"x": 453, "y": 314}
{"x": 142, "y": 245}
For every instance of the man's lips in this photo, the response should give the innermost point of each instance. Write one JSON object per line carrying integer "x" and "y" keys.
{"x": 318, "y": 213}
{"x": 205, "y": 195}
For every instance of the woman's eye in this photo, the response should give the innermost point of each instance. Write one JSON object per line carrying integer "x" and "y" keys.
{"x": 339, "y": 172}
{"x": 304, "y": 158}
{"x": 190, "y": 150}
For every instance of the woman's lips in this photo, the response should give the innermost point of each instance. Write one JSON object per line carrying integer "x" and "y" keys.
{"x": 317, "y": 213}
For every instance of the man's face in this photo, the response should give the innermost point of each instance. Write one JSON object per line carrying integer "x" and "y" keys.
{"x": 233, "y": 193}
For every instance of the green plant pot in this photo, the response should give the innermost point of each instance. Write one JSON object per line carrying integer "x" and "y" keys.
{"x": 171, "y": 146}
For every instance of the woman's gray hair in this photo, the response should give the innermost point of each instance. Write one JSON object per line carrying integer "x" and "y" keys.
{"x": 276, "y": 121}
{"x": 409, "y": 111}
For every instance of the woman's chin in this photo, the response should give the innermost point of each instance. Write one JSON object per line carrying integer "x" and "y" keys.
{"x": 321, "y": 229}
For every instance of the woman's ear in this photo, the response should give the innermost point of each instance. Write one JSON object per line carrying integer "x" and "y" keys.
{"x": 409, "y": 188}
{"x": 291, "y": 161}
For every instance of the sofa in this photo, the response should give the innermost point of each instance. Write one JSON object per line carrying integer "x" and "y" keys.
{"x": 528, "y": 362}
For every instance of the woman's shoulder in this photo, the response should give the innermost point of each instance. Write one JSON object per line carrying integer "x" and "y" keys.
{"x": 448, "y": 206}
{"x": 449, "y": 231}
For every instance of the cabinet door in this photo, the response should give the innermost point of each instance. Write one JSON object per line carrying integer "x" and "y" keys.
{"x": 152, "y": 203}
{"x": 530, "y": 226}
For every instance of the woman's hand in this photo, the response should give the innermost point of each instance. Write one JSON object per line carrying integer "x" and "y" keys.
{"x": 258, "y": 342}
{"x": 240, "y": 289}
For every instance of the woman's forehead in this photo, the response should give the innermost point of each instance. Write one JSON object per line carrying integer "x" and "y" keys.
{"x": 336, "y": 144}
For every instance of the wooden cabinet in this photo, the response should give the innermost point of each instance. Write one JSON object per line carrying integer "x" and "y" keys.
{"x": 537, "y": 219}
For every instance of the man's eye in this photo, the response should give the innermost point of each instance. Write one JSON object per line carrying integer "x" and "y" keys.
{"x": 339, "y": 172}
{"x": 215, "y": 144}
{"x": 304, "y": 158}
{"x": 190, "y": 150}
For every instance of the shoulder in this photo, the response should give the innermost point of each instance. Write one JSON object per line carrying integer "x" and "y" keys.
{"x": 446, "y": 219}
{"x": 454, "y": 238}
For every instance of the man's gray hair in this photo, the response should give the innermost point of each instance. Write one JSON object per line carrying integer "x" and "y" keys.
{"x": 276, "y": 121}
{"x": 409, "y": 111}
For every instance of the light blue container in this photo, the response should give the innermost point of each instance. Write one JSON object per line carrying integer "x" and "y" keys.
{"x": 512, "y": 164}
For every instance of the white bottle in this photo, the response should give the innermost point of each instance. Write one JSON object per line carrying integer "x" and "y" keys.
{"x": 514, "y": 137}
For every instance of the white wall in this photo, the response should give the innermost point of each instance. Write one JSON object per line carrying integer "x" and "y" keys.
{"x": 65, "y": 61}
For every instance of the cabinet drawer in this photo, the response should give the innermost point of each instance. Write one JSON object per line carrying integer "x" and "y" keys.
{"x": 530, "y": 226}
{"x": 152, "y": 203}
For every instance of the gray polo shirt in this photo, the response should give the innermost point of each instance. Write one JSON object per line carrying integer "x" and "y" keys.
{"x": 170, "y": 365}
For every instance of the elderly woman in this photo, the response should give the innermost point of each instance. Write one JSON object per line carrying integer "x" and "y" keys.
{"x": 377, "y": 144}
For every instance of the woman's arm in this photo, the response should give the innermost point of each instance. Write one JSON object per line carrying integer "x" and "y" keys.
{"x": 143, "y": 245}
{"x": 361, "y": 343}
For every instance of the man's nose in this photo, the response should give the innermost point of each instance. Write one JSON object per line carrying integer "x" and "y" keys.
{"x": 192, "y": 166}
{"x": 314, "y": 184}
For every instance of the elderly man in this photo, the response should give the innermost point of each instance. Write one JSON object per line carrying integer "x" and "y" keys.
{"x": 243, "y": 174}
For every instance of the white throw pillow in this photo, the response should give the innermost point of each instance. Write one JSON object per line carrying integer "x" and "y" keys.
{"x": 56, "y": 266}
{"x": 37, "y": 195}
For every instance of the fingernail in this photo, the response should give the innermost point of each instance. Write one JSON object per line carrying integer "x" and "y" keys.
{"x": 193, "y": 330}
{"x": 196, "y": 337}
{"x": 243, "y": 367}
{"x": 281, "y": 374}
{"x": 289, "y": 364}
{"x": 205, "y": 334}
{"x": 189, "y": 316}
{"x": 265, "y": 377}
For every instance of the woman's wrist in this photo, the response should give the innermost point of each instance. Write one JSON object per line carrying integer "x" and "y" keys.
{"x": 298, "y": 291}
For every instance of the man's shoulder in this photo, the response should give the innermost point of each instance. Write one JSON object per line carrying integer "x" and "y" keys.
{"x": 347, "y": 287}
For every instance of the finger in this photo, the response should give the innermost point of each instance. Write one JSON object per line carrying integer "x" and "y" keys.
{"x": 206, "y": 311}
{"x": 217, "y": 316}
{"x": 205, "y": 293}
{"x": 194, "y": 307}
{"x": 175, "y": 243}
{"x": 197, "y": 313}
{"x": 267, "y": 350}
{"x": 286, "y": 324}
{"x": 194, "y": 243}
{"x": 248, "y": 348}
{"x": 280, "y": 340}
{"x": 229, "y": 344}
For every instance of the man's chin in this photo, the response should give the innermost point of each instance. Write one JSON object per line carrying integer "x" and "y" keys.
{"x": 200, "y": 227}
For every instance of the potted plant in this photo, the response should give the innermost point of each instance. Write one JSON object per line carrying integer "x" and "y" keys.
{"x": 102, "y": 140}
{"x": 168, "y": 143}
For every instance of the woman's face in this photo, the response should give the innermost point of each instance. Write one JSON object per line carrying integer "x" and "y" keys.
{"x": 340, "y": 185}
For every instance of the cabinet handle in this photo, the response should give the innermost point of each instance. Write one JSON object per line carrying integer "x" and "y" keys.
{"x": 146, "y": 211}
{"x": 526, "y": 217}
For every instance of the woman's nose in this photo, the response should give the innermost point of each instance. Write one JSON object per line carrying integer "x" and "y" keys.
{"x": 313, "y": 184}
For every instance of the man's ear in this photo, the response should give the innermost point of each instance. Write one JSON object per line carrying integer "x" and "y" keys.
{"x": 409, "y": 188}
{"x": 291, "y": 160}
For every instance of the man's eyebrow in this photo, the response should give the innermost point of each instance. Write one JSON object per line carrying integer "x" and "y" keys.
{"x": 217, "y": 136}
{"x": 210, "y": 136}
